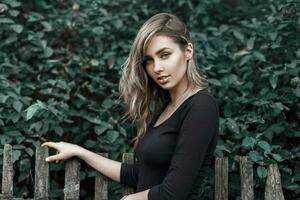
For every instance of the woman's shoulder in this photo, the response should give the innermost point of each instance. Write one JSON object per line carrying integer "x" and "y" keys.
{"x": 203, "y": 98}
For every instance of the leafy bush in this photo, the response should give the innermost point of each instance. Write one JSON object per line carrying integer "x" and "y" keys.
{"x": 60, "y": 65}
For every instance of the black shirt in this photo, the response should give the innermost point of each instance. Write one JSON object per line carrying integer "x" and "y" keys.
{"x": 172, "y": 158}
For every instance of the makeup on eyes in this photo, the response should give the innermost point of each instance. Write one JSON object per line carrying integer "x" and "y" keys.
{"x": 162, "y": 54}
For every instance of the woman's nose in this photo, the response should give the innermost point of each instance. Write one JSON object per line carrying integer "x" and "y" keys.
{"x": 157, "y": 67}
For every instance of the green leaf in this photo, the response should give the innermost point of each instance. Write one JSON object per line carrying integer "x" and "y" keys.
{"x": 232, "y": 126}
{"x": 14, "y": 13}
{"x": 118, "y": 23}
{"x": 47, "y": 26}
{"x": 277, "y": 157}
{"x": 3, "y": 7}
{"x": 122, "y": 131}
{"x": 250, "y": 43}
{"x": 94, "y": 120}
{"x": 3, "y": 98}
{"x": 41, "y": 104}
{"x": 22, "y": 177}
{"x": 53, "y": 110}
{"x": 99, "y": 122}
{"x": 238, "y": 35}
{"x": 214, "y": 82}
{"x": 262, "y": 172}
{"x": 94, "y": 62}
{"x": 223, "y": 28}
{"x": 29, "y": 151}
{"x": 248, "y": 142}
{"x": 245, "y": 59}
{"x": 278, "y": 128}
{"x": 58, "y": 130}
{"x": 89, "y": 143}
{"x": 107, "y": 103}
{"x": 277, "y": 108}
{"x": 112, "y": 136}
{"x": 296, "y": 177}
{"x": 15, "y": 117}
{"x": 255, "y": 156}
{"x": 273, "y": 35}
{"x": 31, "y": 110}
{"x": 13, "y": 133}
{"x": 297, "y": 91}
{"x": 273, "y": 80}
{"x": 17, "y": 105}
{"x": 13, "y": 3}
{"x": 34, "y": 16}
{"x": 264, "y": 145}
{"x": 98, "y": 30}
{"x": 6, "y": 21}
{"x": 48, "y": 52}
{"x": 259, "y": 56}
{"x": 16, "y": 155}
{"x": 99, "y": 129}
{"x": 37, "y": 126}
{"x": 17, "y": 28}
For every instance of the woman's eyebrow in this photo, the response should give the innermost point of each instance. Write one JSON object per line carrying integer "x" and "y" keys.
{"x": 158, "y": 51}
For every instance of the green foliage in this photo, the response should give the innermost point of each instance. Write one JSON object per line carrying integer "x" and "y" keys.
{"x": 60, "y": 66}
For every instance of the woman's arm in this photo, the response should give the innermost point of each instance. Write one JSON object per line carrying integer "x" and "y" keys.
{"x": 137, "y": 196}
{"x": 105, "y": 166}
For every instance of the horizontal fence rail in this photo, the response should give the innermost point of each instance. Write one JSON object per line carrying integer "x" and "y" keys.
{"x": 273, "y": 188}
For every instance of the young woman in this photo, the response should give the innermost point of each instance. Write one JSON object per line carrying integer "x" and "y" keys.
{"x": 177, "y": 119}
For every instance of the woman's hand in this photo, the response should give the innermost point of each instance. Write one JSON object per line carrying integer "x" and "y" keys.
{"x": 126, "y": 197}
{"x": 64, "y": 150}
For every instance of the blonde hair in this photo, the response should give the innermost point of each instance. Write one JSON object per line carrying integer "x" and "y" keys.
{"x": 143, "y": 97}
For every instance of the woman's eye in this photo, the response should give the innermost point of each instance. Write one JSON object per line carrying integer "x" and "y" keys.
{"x": 165, "y": 55}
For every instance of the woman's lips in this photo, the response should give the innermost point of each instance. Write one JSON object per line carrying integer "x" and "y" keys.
{"x": 163, "y": 79}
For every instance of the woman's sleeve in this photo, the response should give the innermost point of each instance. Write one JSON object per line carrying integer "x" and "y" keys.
{"x": 129, "y": 174}
{"x": 200, "y": 125}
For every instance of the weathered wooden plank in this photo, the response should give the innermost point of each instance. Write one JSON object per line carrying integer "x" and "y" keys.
{"x": 41, "y": 184}
{"x": 4, "y": 197}
{"x": 101, "y": 184}
{"x": 127, "y": 158}
{"x": 72, "y": 179}
{"x": 221, "y": 178}
{"x": 273, "y": 190}
{"x": 246, "y": 174}
{"x": 7, "y": 172}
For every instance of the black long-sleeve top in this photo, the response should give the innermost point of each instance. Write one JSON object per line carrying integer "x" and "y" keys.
{"x": 173, "y": 157}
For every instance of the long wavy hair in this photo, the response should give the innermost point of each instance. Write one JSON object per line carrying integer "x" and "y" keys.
{"x": 143, "y": 97}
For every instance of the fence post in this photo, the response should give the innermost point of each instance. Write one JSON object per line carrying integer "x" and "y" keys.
{"x": 246, "y": 174}
{"x": 273, "y": 188}
{"x": 101, "y": 184}
{"x": 41, "y": 183}
{"x": 127, "y": 158}
{"x": 72, "y": 179}
{"x": 7, "y": 172}
{"x": 221, "y": 178}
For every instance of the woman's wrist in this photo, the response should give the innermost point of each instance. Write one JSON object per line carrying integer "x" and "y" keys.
{"x": 80, "y": 152}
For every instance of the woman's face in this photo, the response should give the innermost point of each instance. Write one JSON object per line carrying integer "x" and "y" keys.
{"x": 166, "y": 63}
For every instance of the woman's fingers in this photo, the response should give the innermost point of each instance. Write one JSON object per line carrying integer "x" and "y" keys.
{"x": 56, "y": 158}
{"x": 49, "y": 144}
{"x": 65, "y": 150}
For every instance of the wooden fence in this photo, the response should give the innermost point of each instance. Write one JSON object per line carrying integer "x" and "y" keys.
{"x": 273, "y": 189}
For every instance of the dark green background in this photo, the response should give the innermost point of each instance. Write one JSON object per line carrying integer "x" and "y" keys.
{"x": 60, "y": 66}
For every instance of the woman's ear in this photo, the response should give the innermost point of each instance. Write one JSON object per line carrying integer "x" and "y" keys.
{"x": 189, "y": 51}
